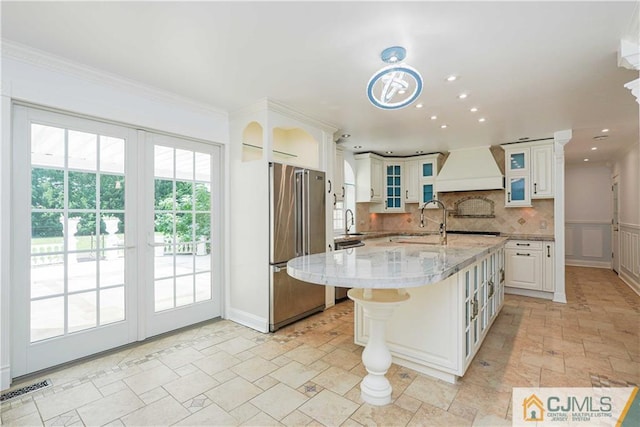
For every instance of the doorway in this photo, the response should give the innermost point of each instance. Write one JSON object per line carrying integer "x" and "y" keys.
{"x": 86, "y": 274}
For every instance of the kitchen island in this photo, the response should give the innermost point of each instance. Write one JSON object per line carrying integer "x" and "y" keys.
{"x": 456, "y": 292}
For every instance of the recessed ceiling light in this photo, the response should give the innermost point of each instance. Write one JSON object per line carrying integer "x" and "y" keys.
{"x": 463, "y": 95}
{"x": 434, "y": 117}
{"x": 600, "y": 137}
{"x": 357, "y": 147}
{"x": 605, "y": 130}
{"x": 586, "y": 160}
{"x": 473, "y": 109}
{"x": 346, "y": 135}
{"x": 419, "y": 152}
{"x": 482, "y": 119}
{"x": 524, "y": 138}
{"x": 452, "y": 78}
{"x": 389, "y": 152}
{"x": 443, "y": 126}
{"x": 594, "y": 148}
{"x": 419, "y": 105}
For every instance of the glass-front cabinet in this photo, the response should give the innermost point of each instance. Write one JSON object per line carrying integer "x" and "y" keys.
{"x": 393, "y": 186}
{"x": 517, "y": 169}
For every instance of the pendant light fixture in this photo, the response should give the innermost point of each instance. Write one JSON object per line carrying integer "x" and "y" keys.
{"x": 396, "y": 85}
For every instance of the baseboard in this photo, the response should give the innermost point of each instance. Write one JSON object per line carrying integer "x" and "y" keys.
{"x": 587, "y": 263}
{"x": 528, "y": 293}
{"x": 249, "y": 320}
{"x": 5, "y": 377}
{"x": 629, "y": 280}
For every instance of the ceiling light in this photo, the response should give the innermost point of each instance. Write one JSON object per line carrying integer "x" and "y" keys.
{"x": 389, "y": 82}
{"x": 600, "y": 137}
{"x": 443, "y": 126}
{"x": 463, "y": 95}
{"x": 586, "y": 160}
{"x": 482, "y": 119}
{"x": 473, "y": 109}
{"x": 605, "y": 130}
{"x": 389, "y": 152}
{"x": 345, "y": 135}
{"x": 524, "y": 138}
{"x": 357, "y": 147}
{"x": 594, "y": 148}
{"x": 419, "y": 105}
{"x": 452, "y": 78}
{"x": 434, "y": 117}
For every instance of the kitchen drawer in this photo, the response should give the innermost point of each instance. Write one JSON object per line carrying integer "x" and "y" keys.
{"x": 524, "y": 244}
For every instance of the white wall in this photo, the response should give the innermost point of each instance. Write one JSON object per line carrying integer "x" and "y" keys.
{"x": 588, "y": 193}
{"x": 626, "y": 171}
{"x": 41, "y": 79}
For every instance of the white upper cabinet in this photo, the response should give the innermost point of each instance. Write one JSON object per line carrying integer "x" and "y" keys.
{"x": 542, "y": 171}
{"x": 369, "y": 178}
{"x": 528, "y": 173}
{"x": 428, "y": 167}
{"x": 412, "y": 181}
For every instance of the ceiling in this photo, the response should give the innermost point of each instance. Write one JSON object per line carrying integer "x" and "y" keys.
{"x": 531, "y": 68}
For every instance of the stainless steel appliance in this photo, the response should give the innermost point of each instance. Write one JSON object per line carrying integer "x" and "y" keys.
{"x": 341, "y": 293}
{"x": 297, "y": 227}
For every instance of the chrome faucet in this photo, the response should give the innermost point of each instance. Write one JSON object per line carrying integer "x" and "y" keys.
{"x": 347, "y": 227}
{"x": 443, "y": 224}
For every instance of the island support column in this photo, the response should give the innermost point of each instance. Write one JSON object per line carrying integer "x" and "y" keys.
{"x": 378, "y": 306}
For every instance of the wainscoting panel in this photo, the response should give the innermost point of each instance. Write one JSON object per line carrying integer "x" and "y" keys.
{"x": 630, "y": 255}
{"x": 588, "y": 244}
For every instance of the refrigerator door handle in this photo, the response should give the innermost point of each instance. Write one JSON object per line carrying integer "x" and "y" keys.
{"x": 304, "y": 228}
{"x": 299, "y": 212}
{"x": 277, "y": 268}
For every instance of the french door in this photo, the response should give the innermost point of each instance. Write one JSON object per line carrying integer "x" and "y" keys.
{"x": 87, "y": 274}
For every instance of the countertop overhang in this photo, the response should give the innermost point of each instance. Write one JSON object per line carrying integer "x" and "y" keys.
{"x": 402, "y": 262}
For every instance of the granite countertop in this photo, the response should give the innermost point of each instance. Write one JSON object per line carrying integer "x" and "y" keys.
{"x": 377, "y": 234}
{"x": 402, "y": 262}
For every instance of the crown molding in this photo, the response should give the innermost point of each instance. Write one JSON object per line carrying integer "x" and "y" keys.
{"x": 629, "y": 55}
{"x": 48, "y": 61}
{"x": 269, "y": 105}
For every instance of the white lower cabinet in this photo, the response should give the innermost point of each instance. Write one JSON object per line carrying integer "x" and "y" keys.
{"x": 530, "y": 265}
{"x": 442, "y": 326}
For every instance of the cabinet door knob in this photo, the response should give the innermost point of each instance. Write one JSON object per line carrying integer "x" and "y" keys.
{"x": 329, "y": 181}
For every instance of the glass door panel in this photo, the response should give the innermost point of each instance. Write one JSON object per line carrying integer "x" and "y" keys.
{"x": 72, "y": 200}
{"x": 184, "y": 243}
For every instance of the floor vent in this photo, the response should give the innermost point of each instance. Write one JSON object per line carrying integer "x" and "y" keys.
{"x": 24, "y": 390}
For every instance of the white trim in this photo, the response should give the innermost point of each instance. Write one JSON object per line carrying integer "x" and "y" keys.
{"x": 587, "y": 263}
{"x": 631, "y": 282}
{"x": 244, "y": 318}
{"x": 587, "y": 222}
{"x": 628, "y": 225}
{"x": 50, "y": 62}
{"x": 560, "y": 139}
{"x": 5, "y": 243}
{"x": 532, "y": 293}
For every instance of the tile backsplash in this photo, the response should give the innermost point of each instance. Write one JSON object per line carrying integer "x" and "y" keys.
{"x": 536, "y": 220}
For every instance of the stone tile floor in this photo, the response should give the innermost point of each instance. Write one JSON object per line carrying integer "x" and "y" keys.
{"x": 221, "y": 373}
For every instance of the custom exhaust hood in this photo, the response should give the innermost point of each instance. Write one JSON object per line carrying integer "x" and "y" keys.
{"x": 470, "y": 169}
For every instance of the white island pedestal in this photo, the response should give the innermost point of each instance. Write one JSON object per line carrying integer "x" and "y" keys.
{"x": 378, "y": 306}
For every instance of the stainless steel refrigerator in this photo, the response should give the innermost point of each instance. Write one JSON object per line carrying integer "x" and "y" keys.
{"x": 297, "y": 227}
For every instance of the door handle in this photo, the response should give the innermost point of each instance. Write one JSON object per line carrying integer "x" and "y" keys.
{"x": 509, "y": 196}
{"x": 372, "y": 193}
{"x": 343, "y": 191}
{"x": 523, "y": 244}
{"x": 548, "y": 251}
{"x": 406, "y": 194}
{"x": 335, "y": 200}
{"x": 535, "y": 188}
{"x": 519, "y": 254}
{"x": 329, "y": 181}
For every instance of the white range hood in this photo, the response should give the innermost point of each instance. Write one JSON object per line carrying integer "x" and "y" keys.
{"x": 470, "y": 169}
